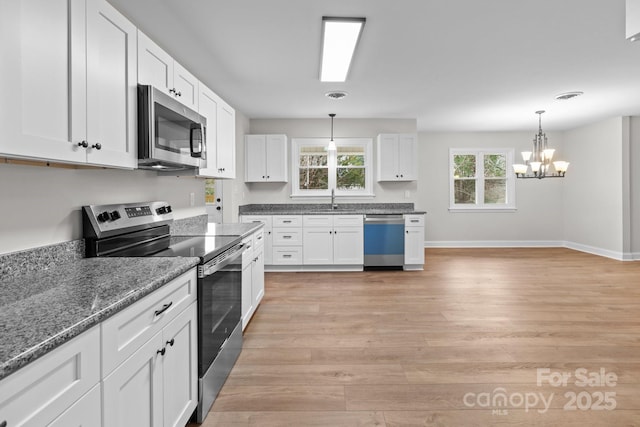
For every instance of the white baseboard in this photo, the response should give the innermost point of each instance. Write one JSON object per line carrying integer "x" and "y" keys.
{"x": 620, "y": 256}
{"x": 494, "y": 244}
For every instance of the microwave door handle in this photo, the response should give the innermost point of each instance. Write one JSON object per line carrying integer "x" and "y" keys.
{"x": 196, "y": 129}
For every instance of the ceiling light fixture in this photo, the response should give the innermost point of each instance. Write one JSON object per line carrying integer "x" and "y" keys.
{"x": 332, "y": 144}
{"x": 340, "y": 37}
{"x": 336, "y": 94}
{"x": 540, "y": 158}
{"x": 568, "y": 95}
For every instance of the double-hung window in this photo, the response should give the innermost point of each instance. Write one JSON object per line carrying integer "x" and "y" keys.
{"x": 481, "y": 179}
{"x": 316, "y": 171}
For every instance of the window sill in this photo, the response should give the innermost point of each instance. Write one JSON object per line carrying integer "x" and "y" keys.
{"x": 483, "y": 210}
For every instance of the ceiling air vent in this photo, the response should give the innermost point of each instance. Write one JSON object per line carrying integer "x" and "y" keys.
{"x": 568, "y": 95}
{"x": 336, "y": 94}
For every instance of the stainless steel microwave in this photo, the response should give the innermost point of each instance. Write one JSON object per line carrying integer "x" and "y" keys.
{"x": 170, "y": 135}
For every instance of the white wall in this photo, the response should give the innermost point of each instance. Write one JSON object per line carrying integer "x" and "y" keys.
{"x": 319, "y": 128}
{"x": 537, "y": 221}
{"x": 634, "y": 185}
{"x": 41, "y": 205}
{"x": 593, "y": 202}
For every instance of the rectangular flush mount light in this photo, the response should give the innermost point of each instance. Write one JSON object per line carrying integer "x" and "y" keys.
{"x": 339, "y": 40}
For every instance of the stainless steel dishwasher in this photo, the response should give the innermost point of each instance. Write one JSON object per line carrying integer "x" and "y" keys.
{"x": 383, "y": 240}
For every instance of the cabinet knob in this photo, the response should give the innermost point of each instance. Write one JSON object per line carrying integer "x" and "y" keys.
{"x": 170, "y": 343}
{"x": 397, "y": 176}
{"x": 268, "y": 177}
{"x": 82, "y": 144}
{"x": 178, "y": 93}
{"x": 172, "y": 90}
{"x": 97, "y": 146}
{"x": 162, "y": 351}
{"x": 218, "y": 208}
{"x": 263, "y": 177}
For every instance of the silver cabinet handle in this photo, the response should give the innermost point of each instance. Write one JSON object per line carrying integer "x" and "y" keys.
{"x": 286, "y": 256}
{"x": 286, "y": 237}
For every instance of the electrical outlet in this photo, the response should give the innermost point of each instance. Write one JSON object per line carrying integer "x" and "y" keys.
{"x": 192, "y": 199}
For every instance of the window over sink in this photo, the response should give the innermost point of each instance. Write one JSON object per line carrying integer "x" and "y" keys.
{"x": 316, "y": 171}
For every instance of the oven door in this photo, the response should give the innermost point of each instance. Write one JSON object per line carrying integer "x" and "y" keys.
{"x": 219, "y": 309}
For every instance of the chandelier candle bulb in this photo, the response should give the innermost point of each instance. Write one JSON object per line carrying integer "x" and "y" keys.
{"x": 526, "y": 156}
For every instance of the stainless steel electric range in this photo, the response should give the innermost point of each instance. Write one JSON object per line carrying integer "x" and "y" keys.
{"x": 143, "y": 229}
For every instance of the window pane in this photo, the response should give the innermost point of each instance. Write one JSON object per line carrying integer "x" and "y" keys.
{"x": 464, "y": 191}
{"x": 495, "y": 165}
{"x": 350, "y": 179}
{"x": 464, "y": 165}
{"x": 350, "y": 160}
{"x": 495, "y": 191}
{"x": 314, "y": 179}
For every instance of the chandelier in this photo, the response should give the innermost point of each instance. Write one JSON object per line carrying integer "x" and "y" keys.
{"x": 540, "y": 158}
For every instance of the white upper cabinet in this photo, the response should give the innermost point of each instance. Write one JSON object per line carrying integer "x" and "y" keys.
{"x": 266, "y": 158}
{"x": 71, "y": 98}
{"x": 111, "y": 87}
{"x": 221, "y": 135}
{"x": 397, "y": 154}
{"x": 157, "y": 68}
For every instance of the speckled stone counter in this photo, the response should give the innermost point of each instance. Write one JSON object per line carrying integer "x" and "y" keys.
{"x": 198, "y": 226}
{"x": 324, "y": 209}
{"x": 40, "y": 310}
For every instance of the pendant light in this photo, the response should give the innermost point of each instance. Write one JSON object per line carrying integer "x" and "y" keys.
{"x": 540, "y": 158}
{"x": 332, "y": 144}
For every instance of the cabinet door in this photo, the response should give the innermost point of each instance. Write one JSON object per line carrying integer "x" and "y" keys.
{"x": 42, "y": 43}
{"x": 186, "y": 86}
{"x": 414, "y": 245}
{"x": 276, "y": 158}
{"x": 208, "y": 107}
{"x": 348, "y": 245}
{"x": 317, "y": 246}
{"x": 407, "y": 157}
{"x": 256, "y": 154}
{"x": 41, "y": 391}
{"x": 226, "y": 141}
{"x": 388, "y": 158}
{"x": 133, "y": 392}
{"x": 111, "y": 87}
{"x": 247, "y": 298}
{"x": 180, "y": 374}
{"x": 257, "y": 278}
{"x": 155, "y": 66}
{"x": 86, "y": 412}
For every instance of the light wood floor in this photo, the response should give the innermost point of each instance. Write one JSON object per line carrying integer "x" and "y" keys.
{"x": 404, "y": 348}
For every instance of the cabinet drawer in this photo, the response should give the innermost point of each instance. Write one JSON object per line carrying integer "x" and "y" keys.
{"x": 265, "y": 219}
{"x": 41, "y": 391}
{"x": 287, "y": 236}
{"x": 414, "y": 220}
{"x": 129, "y": 329}
{"x": 348, "y": 220}
{"x": 317, "y": 221}
{"x": 287, "y": 221}
{"x": 258, "y": 239}
{"x": 285, "y": 255}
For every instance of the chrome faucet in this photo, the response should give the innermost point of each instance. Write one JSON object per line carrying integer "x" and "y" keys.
{"x": 334, "y": 205}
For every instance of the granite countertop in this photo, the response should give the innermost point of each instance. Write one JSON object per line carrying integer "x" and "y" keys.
{"x": 325, "y": 209}
{"x": 40, "y": 310}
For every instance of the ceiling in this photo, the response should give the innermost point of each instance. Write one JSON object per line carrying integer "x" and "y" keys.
{"x": 454, "y": 65}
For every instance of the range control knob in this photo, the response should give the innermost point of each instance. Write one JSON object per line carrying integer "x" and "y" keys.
{"x": 102, "y": 217}
{"x": 114, "y": 215}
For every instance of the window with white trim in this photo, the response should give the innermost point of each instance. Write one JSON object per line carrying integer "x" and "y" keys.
{"x": 481, "y": 179}
{"x": 316, "y": 171}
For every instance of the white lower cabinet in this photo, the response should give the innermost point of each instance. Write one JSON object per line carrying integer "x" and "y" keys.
{"x": 46, "y": 390}
{"x": 86, "y": 412}
{"x": 252, "y": 275}
{"x": 267, "y": 236}
{"x": 157, "y": 385}
{"x": 413, "y": 242}
{"x": 333, "y": 240}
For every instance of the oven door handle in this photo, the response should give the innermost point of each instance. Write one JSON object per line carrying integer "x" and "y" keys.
{"x": 221, "y": 261}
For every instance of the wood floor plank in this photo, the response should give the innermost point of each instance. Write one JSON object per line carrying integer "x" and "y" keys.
{"x": 392, "y": 348}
